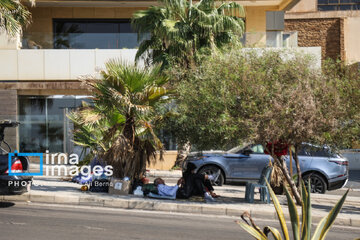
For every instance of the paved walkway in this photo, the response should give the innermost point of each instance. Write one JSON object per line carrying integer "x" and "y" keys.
{"x": 55, "y": 190}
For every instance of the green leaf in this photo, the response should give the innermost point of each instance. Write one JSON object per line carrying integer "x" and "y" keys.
{"x": 276, "y": 234}
{"x": 251, "y": 231}
{"x": 306, "y": 212}
{"x": 279, "y": 212}
{"x": 294, "y": 216}
{"x": 325, "y": 224}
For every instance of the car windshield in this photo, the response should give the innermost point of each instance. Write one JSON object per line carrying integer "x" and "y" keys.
{"x": 238, "y": 148}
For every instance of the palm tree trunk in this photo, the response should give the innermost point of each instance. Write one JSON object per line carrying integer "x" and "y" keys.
{"x": 183, "y": 151}
{"x": 129, "y": 129}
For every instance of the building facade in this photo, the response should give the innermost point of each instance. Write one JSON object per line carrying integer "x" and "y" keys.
{"x": 332, "y": 24}
{"x": 39, "y": 70}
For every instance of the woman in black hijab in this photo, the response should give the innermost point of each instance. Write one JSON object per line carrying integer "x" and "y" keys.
{"x": 197, "y": 184}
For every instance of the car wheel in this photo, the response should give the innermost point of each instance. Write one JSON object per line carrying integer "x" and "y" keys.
{"x": 209, "y": 170}
{"x": 317, "y": 183}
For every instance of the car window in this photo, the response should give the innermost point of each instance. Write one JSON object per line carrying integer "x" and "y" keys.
{"x": 304, "y": 150}
{"x": 259, "y": 149}
{"x": 315, "y": 151}
{"x": 320, "y": 152}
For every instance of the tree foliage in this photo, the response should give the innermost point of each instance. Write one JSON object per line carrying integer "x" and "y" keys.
{"x": 180, "y": 32}
{"x": 14, "y": 16}
{"x": 119, "y": 127}
{"x": 266, "y": 97}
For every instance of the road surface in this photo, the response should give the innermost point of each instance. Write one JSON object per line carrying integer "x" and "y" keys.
{"x": 41, "y": 221}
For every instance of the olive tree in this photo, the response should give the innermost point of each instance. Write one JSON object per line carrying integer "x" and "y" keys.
{"x": 264, "y": 97}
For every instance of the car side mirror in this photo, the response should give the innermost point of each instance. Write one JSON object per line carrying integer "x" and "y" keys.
{"x": 247, "y": 151}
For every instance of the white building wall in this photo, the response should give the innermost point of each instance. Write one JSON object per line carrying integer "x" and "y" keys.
{"x": 56, "y": 64}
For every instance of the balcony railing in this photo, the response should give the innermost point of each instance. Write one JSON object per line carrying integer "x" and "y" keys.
{"x": 57, "y": 64}
{"x": 43, "y": 40}
{"x": 37, "y": 40}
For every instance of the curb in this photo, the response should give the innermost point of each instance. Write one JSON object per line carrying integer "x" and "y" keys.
{"x": 125, "y": 202}
{"x": 164, "y": 174}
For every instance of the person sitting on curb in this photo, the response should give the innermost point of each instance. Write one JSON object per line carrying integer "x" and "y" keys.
{"x": 198, "y": 184}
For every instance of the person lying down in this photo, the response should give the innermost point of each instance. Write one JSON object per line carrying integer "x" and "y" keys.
{"x": 191, "y": 184}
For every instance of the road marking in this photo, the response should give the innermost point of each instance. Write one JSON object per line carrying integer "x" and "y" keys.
{"x": 17, "y": 223}
{"x": 94, "y": 228}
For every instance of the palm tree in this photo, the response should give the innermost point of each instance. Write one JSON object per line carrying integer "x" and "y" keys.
{"x": 94, "y": 128}
{"x": 119, "y": 127}
{"x": 14, "y": 16}
{"x": 180, "y": 32}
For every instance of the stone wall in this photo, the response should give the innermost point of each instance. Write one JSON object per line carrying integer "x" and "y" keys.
{"x": 328, "y": 33}
{"x": 8, "y": 111}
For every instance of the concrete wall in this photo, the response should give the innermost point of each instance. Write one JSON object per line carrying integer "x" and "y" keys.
{"x": 304, "y": 6}
{"x": 56, "y": 64}
{"x": 166, "y": 164}
{"x": 328, "y": 33}
{"x": 255, "y": 25}
{"x": 353, "y": 155}
{"x": 351, "y": 39}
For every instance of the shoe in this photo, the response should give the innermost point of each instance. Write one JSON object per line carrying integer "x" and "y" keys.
{"x": 214, "y": 177}
{"x": 208, "y": 198}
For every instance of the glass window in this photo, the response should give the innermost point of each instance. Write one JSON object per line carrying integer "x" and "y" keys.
{"x": 43, "y": 122}
{"x": 322, "y": 1}
{"x": 259, "y": 149}
{"x": 94, "y": 33}
{"x": 305, "y": 150}
{"x": 345, "y": 7}
{"x": 326, "y": 8}
{"x": 167, "y": 139}
{"x": 338, "y": 5}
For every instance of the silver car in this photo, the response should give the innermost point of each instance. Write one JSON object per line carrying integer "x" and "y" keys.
{"x": 326, "y": 170}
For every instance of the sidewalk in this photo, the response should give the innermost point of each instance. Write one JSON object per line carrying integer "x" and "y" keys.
{"x": 232, "y": 203}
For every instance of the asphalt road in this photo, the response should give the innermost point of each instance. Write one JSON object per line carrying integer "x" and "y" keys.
{"x": 40, "y": 222}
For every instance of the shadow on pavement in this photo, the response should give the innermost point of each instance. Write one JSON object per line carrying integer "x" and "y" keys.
{"x": 6, "y": 204}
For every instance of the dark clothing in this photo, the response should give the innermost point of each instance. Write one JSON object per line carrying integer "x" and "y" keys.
{"x": 195, "y": 184}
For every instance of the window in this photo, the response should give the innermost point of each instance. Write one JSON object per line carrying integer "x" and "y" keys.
{"x": 258, "y": 149}
{"x": 44, "y": 125}
{"x": 338, "y": 5}
{"x": 94, "y": 33}
{"x": 167, "y": 138}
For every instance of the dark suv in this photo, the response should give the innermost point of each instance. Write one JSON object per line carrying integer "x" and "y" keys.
{"x": 10, "y": 184}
